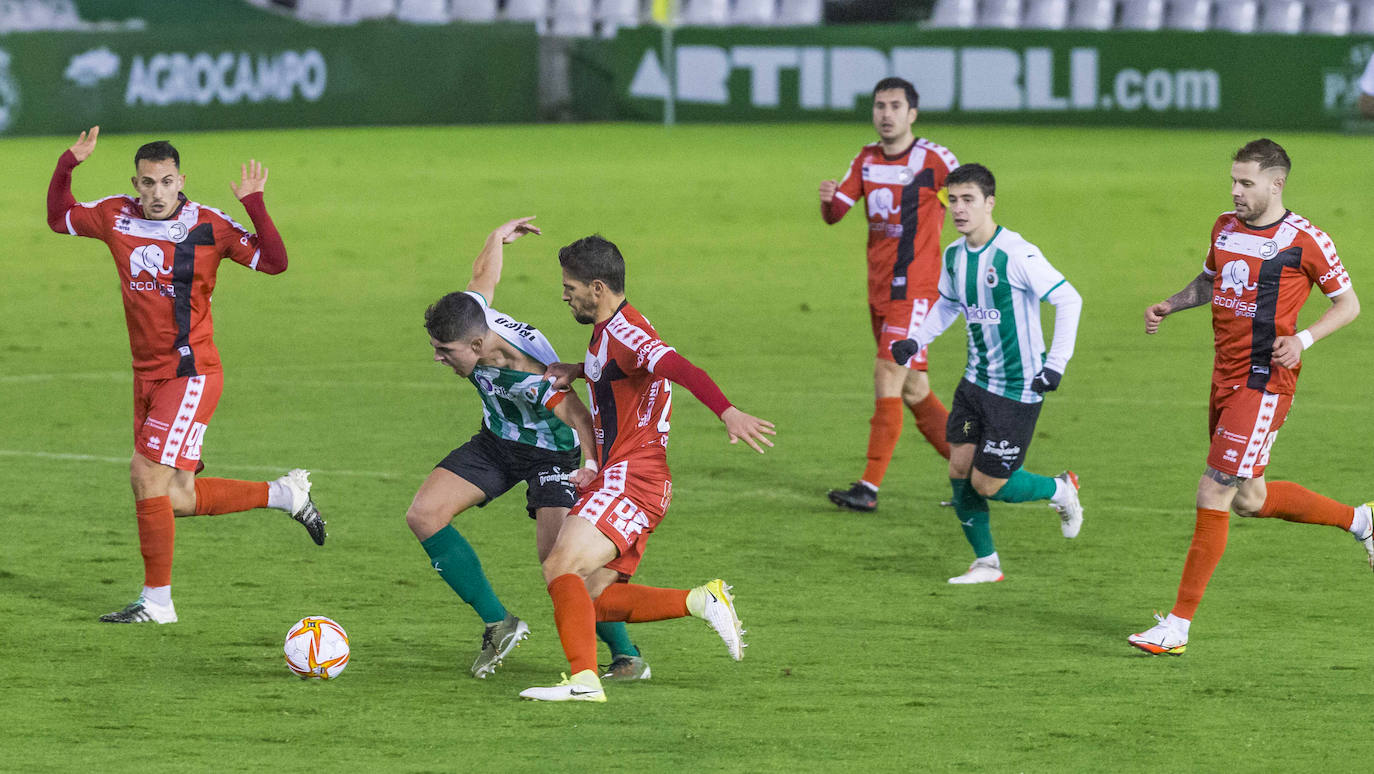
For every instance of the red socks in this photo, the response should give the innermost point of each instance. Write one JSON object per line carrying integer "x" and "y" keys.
{"x": 1291, "y": 502}
{"x": 1209, "y": 543}
{"x": 225, "y": 495}
{"x": 156, "y": 537}
{"x": 884, "y": 429}
{"x": 931, "y": 418}
{"x": 633, "y": 603}
{"x": 575, "y": 618}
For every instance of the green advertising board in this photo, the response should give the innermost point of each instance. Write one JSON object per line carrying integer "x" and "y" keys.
{"x": 1127, "y": 78}
{"x": 279, "y": 73}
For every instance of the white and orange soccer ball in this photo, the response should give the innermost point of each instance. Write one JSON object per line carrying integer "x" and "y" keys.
{"x": 316, "y": 647}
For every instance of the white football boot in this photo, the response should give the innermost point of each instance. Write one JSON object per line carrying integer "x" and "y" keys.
{"x": 983, "y": 570}
{"x": 713, "y": 604}
{"x": 1163, "y": 637}
{"x": 583, "y": 686}
{"x": 143, "y": 611}
{"x": 1066, "y": 503}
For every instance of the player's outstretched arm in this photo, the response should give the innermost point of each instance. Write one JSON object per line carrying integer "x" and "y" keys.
{"x": 563, "y": 374}
{"x": 941, "y": 316}
{"x": 1195, "y": 293}
{"x": 573, "y": 413}
{"x": 751, "y": 430}
{"x": 272, "y": 257}
{"x": 486, "y": 270}
{"x": 60, "y": 198}
{"x": 1343, "y": 311}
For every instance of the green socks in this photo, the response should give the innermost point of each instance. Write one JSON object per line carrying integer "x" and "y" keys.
{"x": 1024, "y": 486}
{"x": 972, "y": 511}
{"x": 617, "y": 637}
{"x": 458, "y": 565}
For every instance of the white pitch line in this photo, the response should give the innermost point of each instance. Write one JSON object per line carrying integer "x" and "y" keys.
{"x": 228, "y": 466}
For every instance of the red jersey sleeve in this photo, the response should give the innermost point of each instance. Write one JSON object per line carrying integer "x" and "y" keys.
{"x": 849, "y": 192}
{"x": 1322, "y": 264}
{"x": 676, "y": 368}
{"x": 65, "y": 214}
{"x": 262, "y": 251}
{"x": 1209, "y": 264}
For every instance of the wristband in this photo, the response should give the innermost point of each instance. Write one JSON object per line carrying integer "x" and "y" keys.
{"x": 591, "y": 465}
{"x": 1305, "y": 336}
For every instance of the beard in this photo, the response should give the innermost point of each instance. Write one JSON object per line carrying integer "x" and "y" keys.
{"x": 586, "y": 318}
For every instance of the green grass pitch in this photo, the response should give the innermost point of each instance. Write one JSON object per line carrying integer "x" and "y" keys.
{"x": 861, "y": 657}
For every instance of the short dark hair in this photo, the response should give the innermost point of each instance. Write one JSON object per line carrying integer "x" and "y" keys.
{"x": 1268, "y": 153}
{"x": 455, "y": 317}
{"x": 157, "y": 151}
{"x": 594, "y": 258}
{"x": 977, "y": 174}
{"x": 912, "y": 98}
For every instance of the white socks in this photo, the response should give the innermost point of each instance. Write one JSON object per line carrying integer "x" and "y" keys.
{"x": 158, "y": 595}
{"x": 1179, "y": 625}
{"x": 279, "y": 495}
{"x": 1362, "y": 524}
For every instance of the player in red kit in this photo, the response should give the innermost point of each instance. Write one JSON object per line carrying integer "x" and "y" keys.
{"x": 625, "y": 491}
{"x": 900, "y": 180}
{"x": 1261, "y": 266}
{"x": 167, "y": 250}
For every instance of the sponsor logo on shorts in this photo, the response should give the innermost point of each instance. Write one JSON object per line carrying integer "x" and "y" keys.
{"x": 154, "y": 442}
{"x": 1230, "y": 455}
{"x": 1003, "y": 450}
{"x": 555, "y": 476}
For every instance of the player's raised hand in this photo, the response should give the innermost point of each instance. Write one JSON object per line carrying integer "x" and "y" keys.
{"x": 828, "y": 188}
{"x": 85, "y": 144}
{"x": 512, "y": 230}
{"x": 563, "y": 374}
{"x": 751, "y": 430}
{"x": 252, "y": 179}
{"x": 1154, "y": 315}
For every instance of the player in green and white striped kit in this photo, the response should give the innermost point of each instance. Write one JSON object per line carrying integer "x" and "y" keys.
{"x": 527, "y": 435}
{"x": 997, "y": 281}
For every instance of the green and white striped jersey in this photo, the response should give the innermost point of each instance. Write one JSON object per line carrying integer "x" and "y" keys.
{"x": 516, "y": 405}
{"x": 999, "y": 287}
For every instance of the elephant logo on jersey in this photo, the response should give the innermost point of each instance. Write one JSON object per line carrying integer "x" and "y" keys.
{"x": 881, "y": 204}
{"x": 1236, "y": 276}
{"x": 147, "y": 258}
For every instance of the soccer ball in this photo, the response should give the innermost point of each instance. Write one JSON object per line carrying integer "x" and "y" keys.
{"x": 316, "y": 647}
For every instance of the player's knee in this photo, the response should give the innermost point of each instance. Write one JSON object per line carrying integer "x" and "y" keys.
{"x": 987, "y": 487}
{"x": 425, "y": 521}
{"x": 915, "y": 391}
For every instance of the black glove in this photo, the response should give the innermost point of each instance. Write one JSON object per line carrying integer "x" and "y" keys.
{"x": 1045, "y": 381}
{"x": 903, "y": 350}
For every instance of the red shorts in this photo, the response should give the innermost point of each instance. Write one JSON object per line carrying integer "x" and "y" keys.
{"x": 1244, "y": 423}
{"x": 170, "y": 417}
{"x": 626, "y": 502}
{"x": 897, "y": 320}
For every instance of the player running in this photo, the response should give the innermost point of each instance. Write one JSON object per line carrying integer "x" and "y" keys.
{"x": 527, "y": 434}
{"x": 899, "y": 180}
{"x": 1261, "y": 265}
{"x": 167, "y": 250}
{"x": 630, "y": 371}
{"x": 997, "y": 280}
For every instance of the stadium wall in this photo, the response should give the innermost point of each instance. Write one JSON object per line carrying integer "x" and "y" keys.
{"x": 179, "y": 76}
{"x": 1124, "y": 78}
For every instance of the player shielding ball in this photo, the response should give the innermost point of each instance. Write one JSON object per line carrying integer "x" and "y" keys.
{"x": 167, "y": 250}
{"x": 630, "y": 371}
{"x": 530, "y": 432}
{"x": 1261, "y": 265}
{"x": 900, "y": 180}
{"x": 997, "y": 281}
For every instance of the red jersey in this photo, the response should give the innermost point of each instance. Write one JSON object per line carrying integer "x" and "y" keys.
{"x": 905, "y": 216}
{"x": 630, "y": 405}
{"x": 1260, "y": 279}
{"x": 166, "y": 276}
